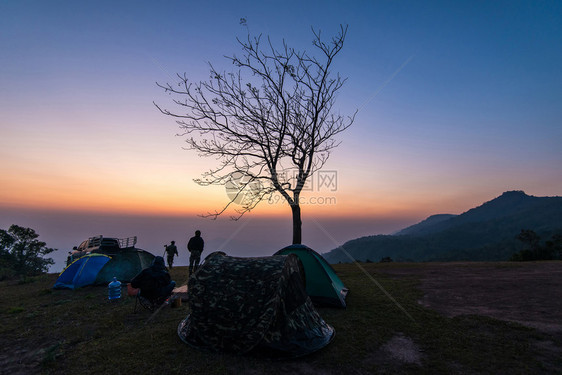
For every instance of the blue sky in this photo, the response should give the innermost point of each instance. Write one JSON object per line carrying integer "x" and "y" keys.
{"x": 458, "y": 102}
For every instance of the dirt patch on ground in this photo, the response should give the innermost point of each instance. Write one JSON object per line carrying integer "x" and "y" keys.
{"x": 403, "y": 349}
{"x": 395, "y": 354}
{"x": 20, "y": 358}
{"x": 528, "y": 293}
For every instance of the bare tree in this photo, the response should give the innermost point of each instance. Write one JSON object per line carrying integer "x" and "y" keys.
{"x": 271, "y": 124}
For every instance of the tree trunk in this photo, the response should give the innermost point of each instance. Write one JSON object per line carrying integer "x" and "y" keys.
{"x": 297, "y": 224}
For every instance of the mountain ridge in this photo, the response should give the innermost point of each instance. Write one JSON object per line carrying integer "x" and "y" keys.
{"x": 423, "y": 225}
{"x": 485, "y": 232}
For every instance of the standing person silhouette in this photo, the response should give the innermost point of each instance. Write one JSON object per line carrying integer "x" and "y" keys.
{"x": 171, "y": 250}
{"x": 195, "y": 247}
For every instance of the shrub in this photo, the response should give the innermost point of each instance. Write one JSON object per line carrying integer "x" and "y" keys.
{"x": 552, "y": 249}
{"x": 21, "y": 254}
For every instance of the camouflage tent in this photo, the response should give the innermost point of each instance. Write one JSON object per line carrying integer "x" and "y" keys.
{"x": 258, "y": 305}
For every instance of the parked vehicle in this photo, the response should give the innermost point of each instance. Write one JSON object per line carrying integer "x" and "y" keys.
{"x": 101, "y": 245}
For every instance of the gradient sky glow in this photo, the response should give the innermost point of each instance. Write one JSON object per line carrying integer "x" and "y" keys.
{"x": 474, "y": 111}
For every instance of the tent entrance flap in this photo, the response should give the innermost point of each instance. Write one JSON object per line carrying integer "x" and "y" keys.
{"x": 253, "y": 305}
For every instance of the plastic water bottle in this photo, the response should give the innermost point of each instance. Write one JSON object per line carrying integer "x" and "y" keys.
{"x": 114, "y": 290}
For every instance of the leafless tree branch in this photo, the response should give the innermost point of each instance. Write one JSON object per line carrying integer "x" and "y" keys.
{"x": 275, "y": 109}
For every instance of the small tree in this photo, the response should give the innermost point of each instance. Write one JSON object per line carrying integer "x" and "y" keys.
{"x": 554, "y": 246}
{"x": 271, "y": 124}
{"x": 530, "y": 238}
{"x": 22, "y": 253}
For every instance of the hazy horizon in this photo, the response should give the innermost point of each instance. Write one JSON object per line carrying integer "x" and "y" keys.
{"x": 252, "y": 235}
{"x": 249, "y": 236}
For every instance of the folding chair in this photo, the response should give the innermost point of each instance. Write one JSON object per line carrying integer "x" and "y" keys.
{"x": 149, "y": 304}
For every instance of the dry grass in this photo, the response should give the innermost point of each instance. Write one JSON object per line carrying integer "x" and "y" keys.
{"x": 61, "y": 331}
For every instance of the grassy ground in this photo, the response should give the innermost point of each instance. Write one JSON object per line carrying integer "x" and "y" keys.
{"x": 61, "y": 331}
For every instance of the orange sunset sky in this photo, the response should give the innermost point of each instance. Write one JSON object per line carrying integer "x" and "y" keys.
{"x": 457, "y": 102}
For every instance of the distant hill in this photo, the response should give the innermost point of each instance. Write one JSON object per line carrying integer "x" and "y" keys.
{"x": 425, "y": 226}
{"x": 486, "y": 232}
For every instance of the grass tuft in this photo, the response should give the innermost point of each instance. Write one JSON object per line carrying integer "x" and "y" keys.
{"x": 15, "y": 310}
{"x": 51, "y": 354}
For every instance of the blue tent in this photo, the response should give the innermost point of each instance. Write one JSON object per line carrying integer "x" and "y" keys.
{"x": 81, "y": 272}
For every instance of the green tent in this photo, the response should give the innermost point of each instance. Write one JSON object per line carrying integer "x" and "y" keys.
{"x": 124, "y": 265}
{"x": 322, "y": 284}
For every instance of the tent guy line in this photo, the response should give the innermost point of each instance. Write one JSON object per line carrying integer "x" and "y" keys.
{"x": 238, "y": 229}
{"x": 364, "y": 271}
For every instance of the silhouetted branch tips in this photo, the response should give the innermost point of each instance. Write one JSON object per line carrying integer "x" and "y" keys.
{"x": 274, "y": 113}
